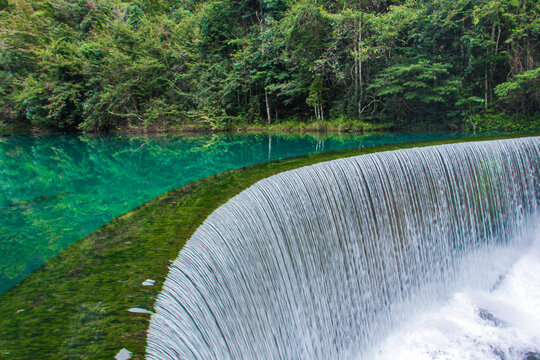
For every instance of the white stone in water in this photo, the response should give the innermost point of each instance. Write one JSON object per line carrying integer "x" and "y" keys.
{"x": 123, "y": 354}
{"x": 139, "y": 310}
{"x": 148, "y": 282}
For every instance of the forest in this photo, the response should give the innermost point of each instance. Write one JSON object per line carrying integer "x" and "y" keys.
{"x": 102, "y": 65}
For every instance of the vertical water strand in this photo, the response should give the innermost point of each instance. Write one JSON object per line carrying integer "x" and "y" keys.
{"x": 324, "y": 261}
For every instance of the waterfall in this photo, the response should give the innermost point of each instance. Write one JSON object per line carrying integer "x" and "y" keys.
{"x": 325, "y": 261}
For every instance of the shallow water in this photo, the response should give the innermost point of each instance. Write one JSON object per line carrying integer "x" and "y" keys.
{"x": 56, "y": 189}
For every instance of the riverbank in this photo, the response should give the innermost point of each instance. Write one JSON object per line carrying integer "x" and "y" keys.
{"x": 76, "y": 305}
{"x": 286, "y": 127}
{"x": 206, "y": 127}
{"x": 481, "y": 124}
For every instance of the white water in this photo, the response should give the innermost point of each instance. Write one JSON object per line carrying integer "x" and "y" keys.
{"x": 379, "y": 255}
{"x": 502, "y": 322}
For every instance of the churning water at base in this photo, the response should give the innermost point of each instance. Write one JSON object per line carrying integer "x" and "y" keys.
{"x": 502, "y": 322}
{"x": 355, "y": 258}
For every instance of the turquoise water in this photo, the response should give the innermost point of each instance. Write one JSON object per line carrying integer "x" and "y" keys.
{"x": 56, "y": 188}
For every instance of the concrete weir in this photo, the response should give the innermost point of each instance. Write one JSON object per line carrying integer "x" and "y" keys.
{"x": 330, "y": 261}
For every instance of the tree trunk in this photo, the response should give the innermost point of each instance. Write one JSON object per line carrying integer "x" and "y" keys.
{"x": 355, "y": 72}
{"x": 359, "y": 55}
{"x": 267, "y": 104}
{"x": 268, "y": 116}
{"x": 486, "y": 87}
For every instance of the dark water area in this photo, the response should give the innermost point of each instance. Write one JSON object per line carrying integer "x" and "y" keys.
{"x": 57, "y": 188}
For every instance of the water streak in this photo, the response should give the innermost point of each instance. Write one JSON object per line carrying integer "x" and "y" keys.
{"x": 324, "y": 262}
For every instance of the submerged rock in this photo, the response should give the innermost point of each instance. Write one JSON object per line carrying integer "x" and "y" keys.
{"x": 531, "y": 356}
{"x": 489, "y": 317}
{"x": 123, "y": 354}
{"x": 140, "y": 311}
{"x": 148, "y": 282}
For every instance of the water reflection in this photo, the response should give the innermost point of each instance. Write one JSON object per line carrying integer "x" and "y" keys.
{"x": 56, "y": 189}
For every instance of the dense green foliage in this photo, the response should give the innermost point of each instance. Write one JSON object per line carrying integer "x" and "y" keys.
{"x": 103, "y": 64}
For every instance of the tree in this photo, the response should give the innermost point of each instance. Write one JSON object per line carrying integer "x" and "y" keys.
{"x": 407, "y": 89}
{"x": 95, "y": 65}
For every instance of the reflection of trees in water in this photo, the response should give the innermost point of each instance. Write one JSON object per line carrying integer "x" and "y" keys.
{"x": 56, "y": 189}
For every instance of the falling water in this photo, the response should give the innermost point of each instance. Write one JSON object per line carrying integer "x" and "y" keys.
{"x": 330, "y": 261}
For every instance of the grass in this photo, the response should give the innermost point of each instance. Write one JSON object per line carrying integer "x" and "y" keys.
{"x": 75, "y": 306}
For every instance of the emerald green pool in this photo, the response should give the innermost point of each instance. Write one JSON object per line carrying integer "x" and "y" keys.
{"x": 58, "y": 188}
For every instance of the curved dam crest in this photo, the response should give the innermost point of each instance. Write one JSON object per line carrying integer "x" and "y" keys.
{"x": 325, "y": 261}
